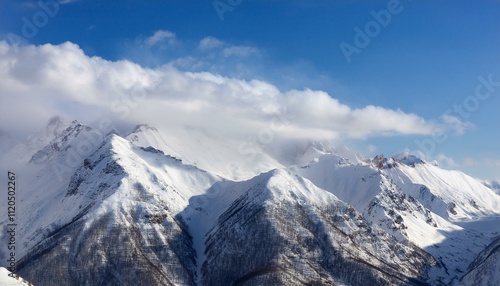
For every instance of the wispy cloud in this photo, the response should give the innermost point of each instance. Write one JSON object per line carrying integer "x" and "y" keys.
{"x": 161, "y": 37}
{"x": 457, "y": 125}
{"x": 209, "y": 43}
{"x": 67, "y": 1}
{"x": 446, "y": 162}
{"x": 240, "y": 51}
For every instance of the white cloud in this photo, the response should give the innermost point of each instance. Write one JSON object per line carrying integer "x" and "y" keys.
{"x": 209, "y": 43}
{"x": 446, "y": 161}
{"x": 457, "y": 125}
{"x": 37, "y": 82}
{"x": 240, "y": 51}
{"x": 161, "y": 36}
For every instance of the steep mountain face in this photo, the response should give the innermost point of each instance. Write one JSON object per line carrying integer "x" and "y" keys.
{"x": 149, "y": 209}
{"x": 414, "y": 200}
{"x": 114, "y": 222}
{"x": 494, "y": 185}
{"x": 229, "y": 159}
{"x": 485, "y": 270}
{"x": 286, "y": 231}
{"x": 368, "y": 190}
{"x": 22, "y": 151}
{"x": 50, "y": 171}
{"x": 449, "y": 194}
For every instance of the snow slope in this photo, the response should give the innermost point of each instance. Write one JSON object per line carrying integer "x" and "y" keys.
{"x": 22, "y": 152}
{"x": 120, "y": 188}
{"x": 229, "y": 159}
{"x": 355, "y": 184}
{"x": 494, "y": 185}
{"x": 285, "y": 231}
{"x": 7, "y": 280}
{"x": 414, "y": 200}
{"x": 485, "y": 270}
{"x": 185, "y": 209}
{"x": 447, "y": 193}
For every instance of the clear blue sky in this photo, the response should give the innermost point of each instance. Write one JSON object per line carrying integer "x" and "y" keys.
{"x": 426, "y": 59}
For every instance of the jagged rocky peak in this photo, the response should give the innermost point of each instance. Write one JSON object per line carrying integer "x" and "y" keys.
{"x": 299, "y": 234}
{"x": 55, "y": 125}
{"x": 121, "y": 204}
{"x": 381, "y": 162}
{"x": 157, "y": 220}
{"x": 144, "y": 127}
{"x": 76, "y": 138}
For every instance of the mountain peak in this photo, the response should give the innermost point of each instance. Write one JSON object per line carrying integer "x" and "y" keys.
{"x": 145, "y": 135}
{"x": 156, "y": 189}
{"x": 408, "y": 159}
{"x": 405, "y": 158}
{"x": 55, "y": 125}
{"x": 144, "y": 127}
{"x": 80, "y": 138}
{"x": 381, "y": 162}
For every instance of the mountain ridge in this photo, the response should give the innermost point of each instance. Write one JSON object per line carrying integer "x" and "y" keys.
{"x": 158, "y": 199}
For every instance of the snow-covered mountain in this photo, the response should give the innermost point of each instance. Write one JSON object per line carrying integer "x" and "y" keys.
{"x": 155, "y": 208}
{"x": 200, "y": 148}
{"x": 284, "y": 230}
{"x": 485, "y": 270}
{"x": 22, "y": 151}
{"x": 447, "y": 213}
{"x": 494, "y": 185}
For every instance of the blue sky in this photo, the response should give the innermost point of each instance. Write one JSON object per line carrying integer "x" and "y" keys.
{"x": 424, "y": 60}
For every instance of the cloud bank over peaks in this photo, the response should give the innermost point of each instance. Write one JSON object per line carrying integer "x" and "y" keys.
{"x": 37, "y": 82}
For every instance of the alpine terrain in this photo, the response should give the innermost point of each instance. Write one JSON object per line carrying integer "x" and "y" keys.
{"x": 149, "y": 207}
